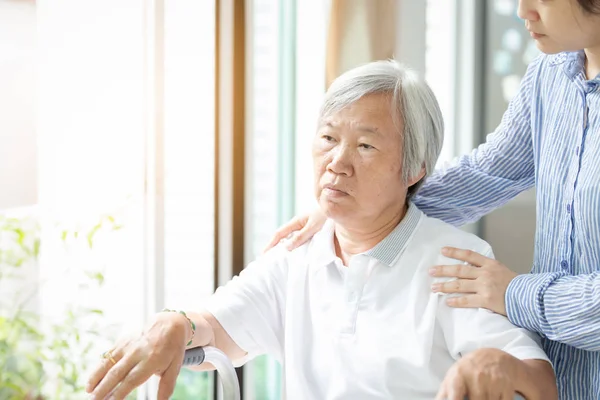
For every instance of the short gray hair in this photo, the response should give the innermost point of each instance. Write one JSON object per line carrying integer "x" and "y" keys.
{"x": 412, "y": 100}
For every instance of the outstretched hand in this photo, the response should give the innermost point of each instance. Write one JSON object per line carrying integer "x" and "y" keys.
{"x": 157, "y": 351}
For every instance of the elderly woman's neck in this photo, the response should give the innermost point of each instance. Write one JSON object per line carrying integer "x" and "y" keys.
{"x": 350, "y": 241}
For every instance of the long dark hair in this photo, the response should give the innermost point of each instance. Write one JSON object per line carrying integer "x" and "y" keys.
{"x": 590, "y": 6}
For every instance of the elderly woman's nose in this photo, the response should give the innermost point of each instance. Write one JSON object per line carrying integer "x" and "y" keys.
{"x": 340, "y": 162}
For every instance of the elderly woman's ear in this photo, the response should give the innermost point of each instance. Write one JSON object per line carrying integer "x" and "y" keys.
{"x": 418, "y": 177}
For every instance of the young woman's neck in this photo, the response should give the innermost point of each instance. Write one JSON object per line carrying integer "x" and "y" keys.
{"x": 351, "y": 241}
{"x": 592, "y": 62}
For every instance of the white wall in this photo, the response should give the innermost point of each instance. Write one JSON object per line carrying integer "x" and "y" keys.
{"x": 17, "y": 104}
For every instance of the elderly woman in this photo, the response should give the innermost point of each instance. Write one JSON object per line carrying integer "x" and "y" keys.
{"x": 350, "y": 314}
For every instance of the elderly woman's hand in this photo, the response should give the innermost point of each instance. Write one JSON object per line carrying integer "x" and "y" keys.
{"x": 482, "y": 374}
{"x": 157, "y": 351}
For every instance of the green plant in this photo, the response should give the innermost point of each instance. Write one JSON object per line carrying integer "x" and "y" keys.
{"x": 193, "y": 385}
{"x": 43, "y": 360}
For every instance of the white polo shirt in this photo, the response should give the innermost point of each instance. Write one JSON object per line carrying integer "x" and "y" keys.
{"x": 371, "y": 330}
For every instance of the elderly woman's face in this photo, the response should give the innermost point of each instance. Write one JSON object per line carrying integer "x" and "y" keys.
{"x": 357, "y": 156}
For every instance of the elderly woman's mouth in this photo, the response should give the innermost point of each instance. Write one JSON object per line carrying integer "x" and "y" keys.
{"x": 332, "y": 191}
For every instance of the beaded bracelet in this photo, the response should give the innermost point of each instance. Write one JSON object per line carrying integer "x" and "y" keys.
{"x": 192, "y": 324}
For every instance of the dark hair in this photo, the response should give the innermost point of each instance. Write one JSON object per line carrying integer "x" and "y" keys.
{"x": 590, "y": 6}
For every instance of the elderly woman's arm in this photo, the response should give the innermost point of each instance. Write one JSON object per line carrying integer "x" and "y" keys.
{"x": 219, "y": 338}
{"x": 243, "y": 319}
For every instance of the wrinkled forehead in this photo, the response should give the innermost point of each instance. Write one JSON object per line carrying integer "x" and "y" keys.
{"x": 377, "y": 112}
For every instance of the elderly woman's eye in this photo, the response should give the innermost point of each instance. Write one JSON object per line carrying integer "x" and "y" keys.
{"x": 328, "y": 138}
{"x": 366, "y": 146}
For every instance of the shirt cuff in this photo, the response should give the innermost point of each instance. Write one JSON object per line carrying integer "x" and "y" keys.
{"x": 234, "y": 326}
{"x": 528, "y": 353}
{"x": 524, "y": 300}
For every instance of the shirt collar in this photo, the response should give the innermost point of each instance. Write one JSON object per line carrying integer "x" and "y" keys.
{"x": 573, "y": 63}
{"x": 322, "y": 250}
{"x": 557, "y": 59}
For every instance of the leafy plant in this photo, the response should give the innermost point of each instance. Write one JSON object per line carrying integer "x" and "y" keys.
{"x": 38, "y": 360}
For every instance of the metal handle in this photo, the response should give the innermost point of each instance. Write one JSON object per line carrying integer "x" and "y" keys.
{"x": 229, "y": 381}
{"x": 194, "y": 356}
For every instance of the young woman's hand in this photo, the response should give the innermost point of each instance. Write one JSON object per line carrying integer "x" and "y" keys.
{"x": 303, "y": 228}
{"x": 483, "y": 281}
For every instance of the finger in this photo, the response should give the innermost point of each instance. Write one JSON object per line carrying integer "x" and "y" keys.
{"x": 442, "y": 394}
{"x": 301, "y": 237}
{"x": 466, "y": 301}
{"x": 468, "y": 256}
{"x": 136, "y": 377}
{"x": 114, "y": 376}
{"x": 166, "y": 386}
{"x": 456, "y": 286}
{"x": 476, "y": 390}
{"x": 463, "y": 271}
{"x": 103, "y": 367}
{"x": 507, "y": 394}
{"x": 457, "y": 389}
{"x": 293, "y": 225}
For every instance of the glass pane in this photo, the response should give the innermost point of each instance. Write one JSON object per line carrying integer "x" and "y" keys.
{"x": 509, "y": 49}
{"x": 189, "y": 166}
{"x": 262, "y": 374}
{"x": 311, "y": 40}
{"x": 90, "y": 143}
{"x": 439, "y": 39}
{"x": 18, "y": 149}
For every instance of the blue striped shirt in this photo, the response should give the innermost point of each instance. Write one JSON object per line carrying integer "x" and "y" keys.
{"x": 548, "y": 138}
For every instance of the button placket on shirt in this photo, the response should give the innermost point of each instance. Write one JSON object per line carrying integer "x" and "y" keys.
{"x": 353, "y": 287}
{"x": 567, "y": 216}
{"x": 572, "y": 182}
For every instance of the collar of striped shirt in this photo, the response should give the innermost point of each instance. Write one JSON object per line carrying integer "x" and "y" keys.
{"x": 573, "y": 63}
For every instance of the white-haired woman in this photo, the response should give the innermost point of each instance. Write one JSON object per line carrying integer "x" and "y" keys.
{"x": 350, "y": 314}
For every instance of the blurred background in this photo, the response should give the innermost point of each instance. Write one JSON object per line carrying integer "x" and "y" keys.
{"x": 150, "y": 148}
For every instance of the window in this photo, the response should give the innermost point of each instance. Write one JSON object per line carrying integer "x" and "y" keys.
{"x": 92, "y": 155}
{"x": 90, "y": 159}
{"x": 285, "y": 92}
{"x": 17, "y": 102}
{"x": 263, "y": 161}
{"x": 189, "y": 46}
{"x": 439, "y": 65}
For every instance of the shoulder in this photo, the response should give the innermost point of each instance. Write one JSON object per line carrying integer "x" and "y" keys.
{"x": 431, "y": 235}
{"x": 436, "y": 234}
{"x": 281, "y": 256}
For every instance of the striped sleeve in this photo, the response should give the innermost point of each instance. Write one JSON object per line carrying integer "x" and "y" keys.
{"x": 498, "y": 170}
{"x": 559, "y": 306}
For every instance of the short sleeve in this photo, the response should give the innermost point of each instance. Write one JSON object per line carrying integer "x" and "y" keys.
{"x": 468, "y": 329}
{"x": 251, "y": 306}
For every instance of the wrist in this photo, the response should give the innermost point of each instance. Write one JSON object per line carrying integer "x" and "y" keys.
{"x": 526, "y": 383}
{"x": 181, "y": 322}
